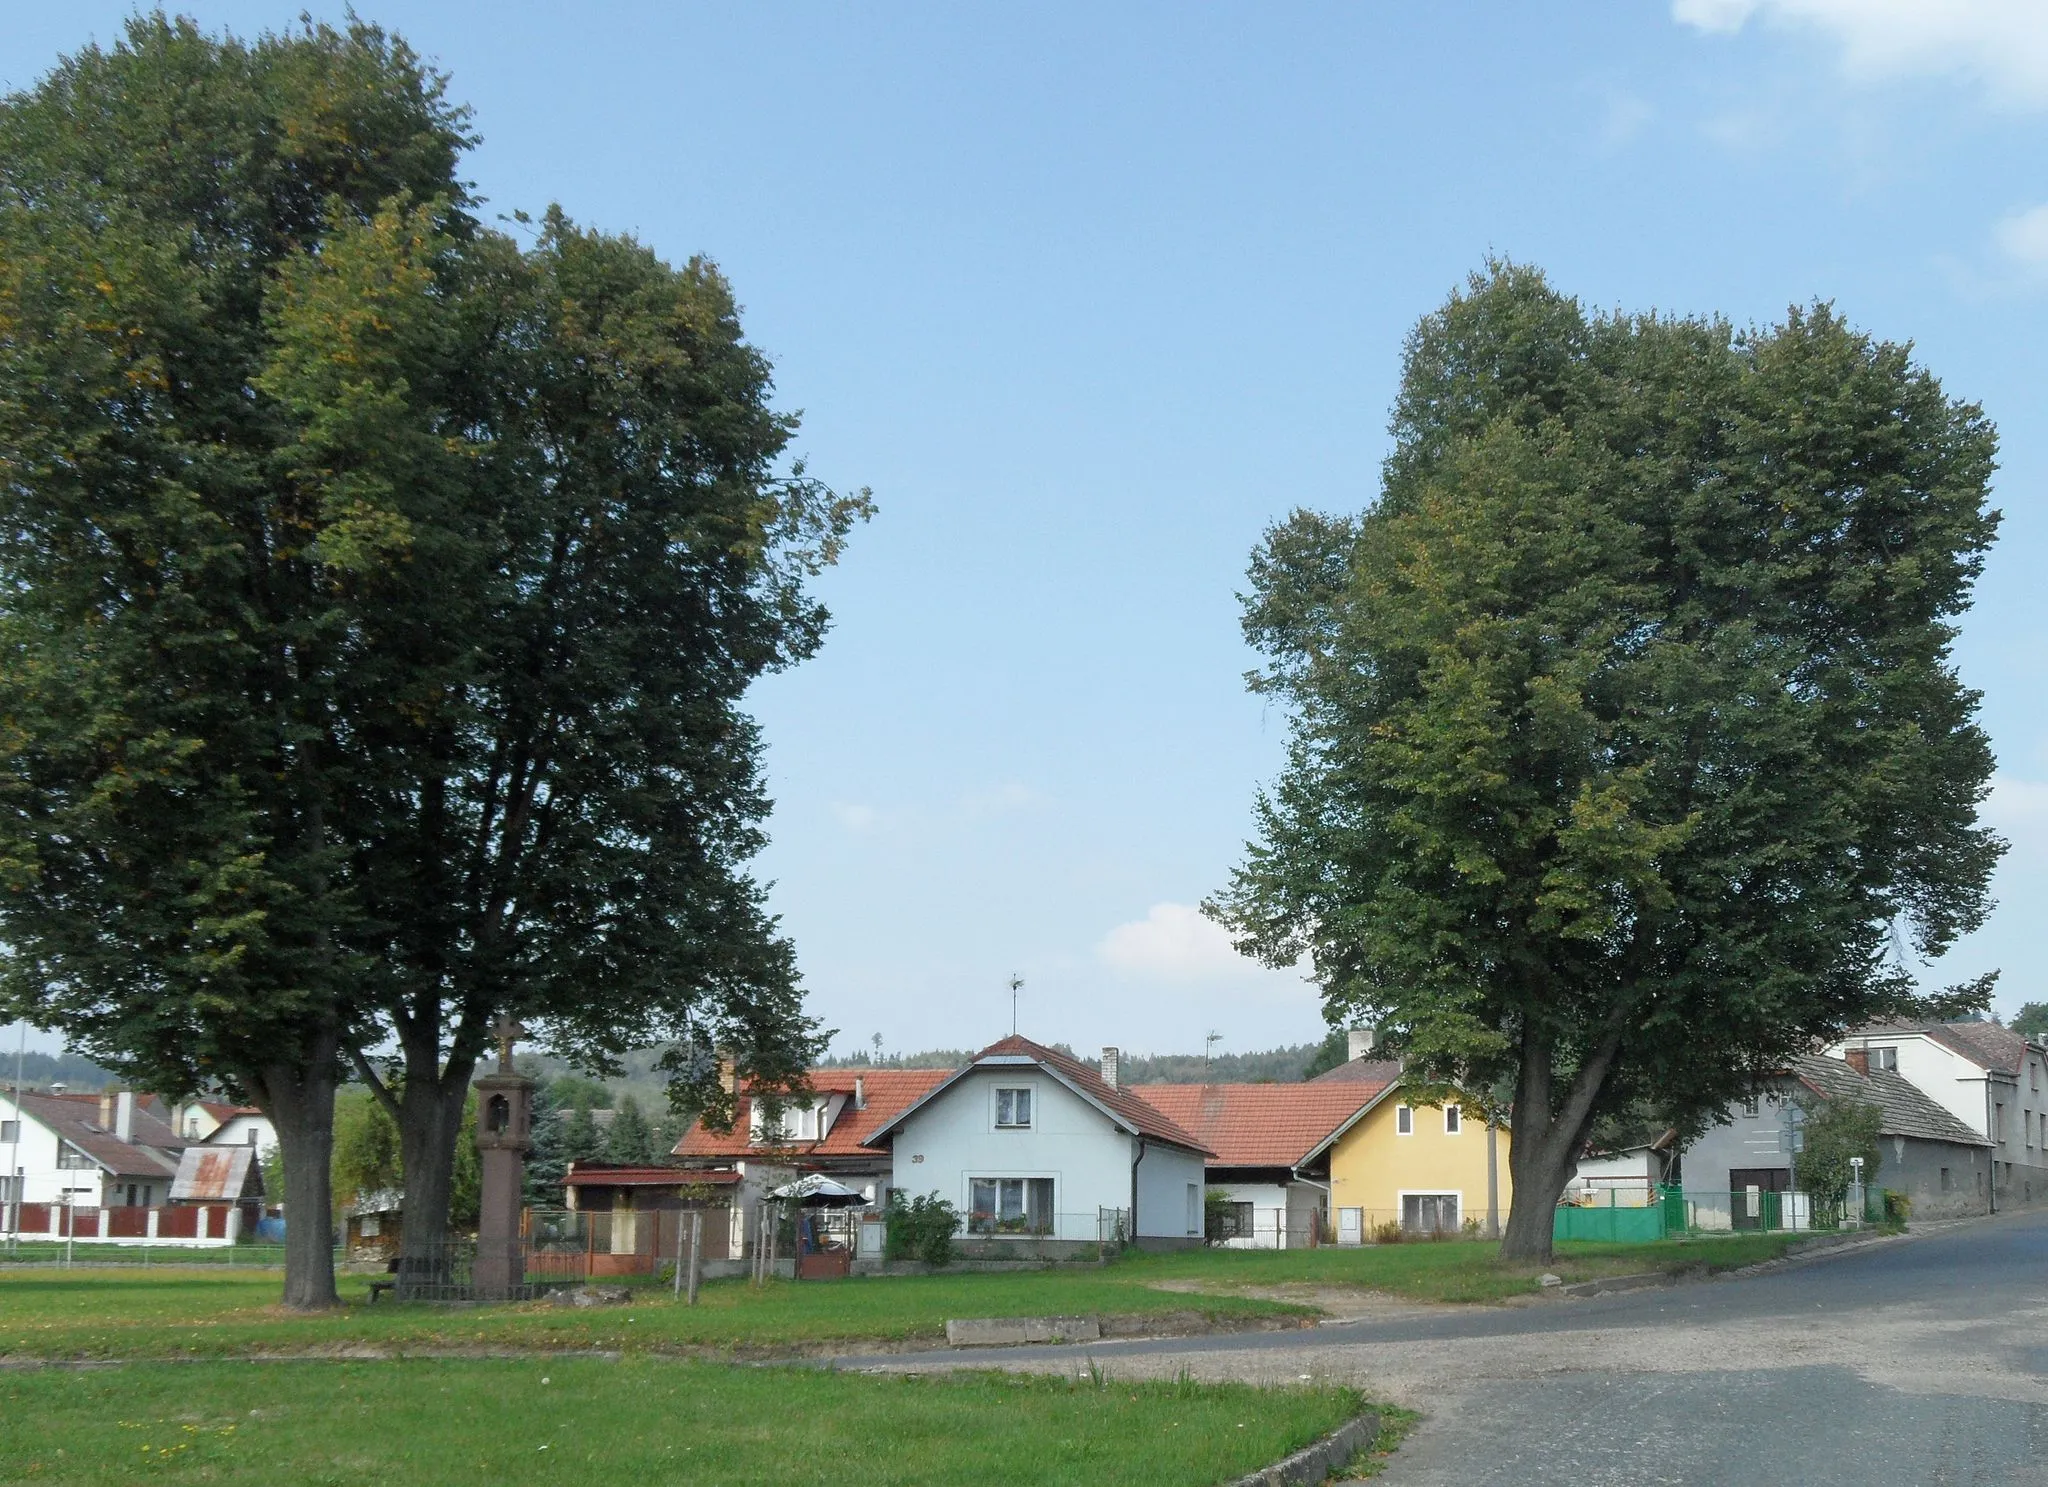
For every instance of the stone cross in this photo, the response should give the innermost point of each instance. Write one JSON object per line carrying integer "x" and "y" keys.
{"x": 507, "y": 1030}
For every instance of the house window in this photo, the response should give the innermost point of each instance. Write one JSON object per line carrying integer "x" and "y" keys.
{"x": 1010, "y": 1205}
{"x": 2033, "y": 1074}
{"x": 1749, "y": 1104}
{"x": 1429, "y": 1213}
{"x": 370, "y": 1226}
{"x": 191, "y": 1128}
{"x": 10, "y": 1131}
{"x": 1947, "y": 1180}
{"x": 69, "y": 1156}
{"x": 1998, "y": 1121}
{"x": 1885, "y": 1058}
{"x": 1194, "y": 1208}
{"x": 1454, "y": 1120}
{"x": 1013, "y": 1109}
{"x": 1404, "y": 1120}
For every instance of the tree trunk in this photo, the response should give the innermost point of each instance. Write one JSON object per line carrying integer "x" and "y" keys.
{"x": 1548, "y": 1134}
{"x": 429, "y": 1124}
{"x": 1541, "y": 1162}
{"x": 300, "y": 1102}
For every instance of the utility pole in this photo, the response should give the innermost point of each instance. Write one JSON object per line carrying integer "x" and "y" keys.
{"x": 14, "y": 1147}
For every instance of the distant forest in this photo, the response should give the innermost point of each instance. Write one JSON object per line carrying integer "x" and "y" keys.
{"x": 41, "y": 1070}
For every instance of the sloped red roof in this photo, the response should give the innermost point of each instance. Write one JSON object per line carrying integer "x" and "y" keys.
{"x": 1146, "y": 1119}
{"x": 1258, "y": 1125}
{"x": 1377, "y": 1072}
{"x": 887, "y": 1091}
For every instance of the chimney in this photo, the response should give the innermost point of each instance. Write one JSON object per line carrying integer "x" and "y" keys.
{"x": 1109, "y": 1067}
{"x": 1361, "y": 1040}
{"x": 860, "y": 1092}
{"x": 124, "y": 1115}
{"x": 106, "y": 1110}
{"x": 1859, "y": 1059}
{"x": 728, "y": 1074}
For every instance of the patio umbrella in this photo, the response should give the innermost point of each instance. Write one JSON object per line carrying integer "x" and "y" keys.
{"x": 818, "y": 1191}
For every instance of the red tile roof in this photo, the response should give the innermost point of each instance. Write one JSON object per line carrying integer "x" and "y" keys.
{"x": 887, "y": 1092}
{"x": 1146, "y": 1119}
{"x": 1258, "y": 1125}
{"x": 76, "y": 1118}
{"x": 1377, "y": 1072}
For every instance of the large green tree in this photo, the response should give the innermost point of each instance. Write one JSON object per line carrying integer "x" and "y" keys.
{"x": 580, "y": 453}
{"x": 380, "y": 594}
{"x": 177, "y": 611}
{"x": 1627, "y": 755}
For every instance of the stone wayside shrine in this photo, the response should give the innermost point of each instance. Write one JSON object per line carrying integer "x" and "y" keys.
{"x": 504, "y": 1135}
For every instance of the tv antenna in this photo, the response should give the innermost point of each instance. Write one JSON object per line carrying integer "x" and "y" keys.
{"x": 1209, "y": 1052}
{"x": 1016, "y": 985}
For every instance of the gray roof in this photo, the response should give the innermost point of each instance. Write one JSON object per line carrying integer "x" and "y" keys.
{"x": 76, "y": 1120}
{"x": 1907, "y": 1112}
{"x": 1988, "y": 1045}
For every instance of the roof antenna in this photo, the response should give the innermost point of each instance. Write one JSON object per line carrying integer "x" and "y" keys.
{"x": 1016, "y": 985}
{"x": 1208, "y": 1053}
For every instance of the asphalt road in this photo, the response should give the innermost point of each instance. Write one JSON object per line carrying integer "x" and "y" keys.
{"x": 1923, "y": 1360}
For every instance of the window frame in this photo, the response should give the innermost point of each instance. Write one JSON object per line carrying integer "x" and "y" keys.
{"x": 1010, "y": 1093}
{"x": 993, "y": 1222}
{"x": 1454, "y": 1120}
{"x": 1404, "y": 1120}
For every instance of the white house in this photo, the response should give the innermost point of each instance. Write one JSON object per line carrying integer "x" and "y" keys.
{"x": 85, "y": 1151}
{"x": 1029, "y": 1141}
{"x": 217, "y": 1123}
{"x": 1988, "y": 1077}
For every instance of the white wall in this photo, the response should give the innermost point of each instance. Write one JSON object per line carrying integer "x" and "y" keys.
{"x": 43, "y": 1181}
{"x": 1947, "y": 1078}
{"x": 954, "y": 1139}
{"x": 235, "y": 1132}
{"x": 1165, "y": 1178}
{"x": 1269, "y": 1212}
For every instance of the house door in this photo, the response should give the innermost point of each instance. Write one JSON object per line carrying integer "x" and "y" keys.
{"x": 1429, "y": 1213}
{"x": 1351, "y": 1226}
{"x": 1752, "y": 1201}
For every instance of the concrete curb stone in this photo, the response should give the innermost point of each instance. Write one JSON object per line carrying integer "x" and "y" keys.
{"x": 1314, "y": 1462}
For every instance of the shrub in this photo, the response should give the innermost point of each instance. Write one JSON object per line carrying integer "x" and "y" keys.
{"x": 1897, "y": 1208}
{"x": 921, "y": 1228}
{"x": 1219, "y": 1216}
{"x": 1470, "y": 1228}
{"x": 1390, "y": 1232}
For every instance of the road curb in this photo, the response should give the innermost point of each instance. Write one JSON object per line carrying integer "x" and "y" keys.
{"x": 1818, "y": 1247}
{"x": 1313, "y": 1463}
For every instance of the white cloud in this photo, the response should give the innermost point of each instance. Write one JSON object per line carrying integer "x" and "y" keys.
{"x": 1174, "y": 942}
{"x": 2023, "y": 238}
{"x": 2001, "y": 43}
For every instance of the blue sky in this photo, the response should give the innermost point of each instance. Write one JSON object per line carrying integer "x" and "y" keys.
{"x": 1089, "y": 295}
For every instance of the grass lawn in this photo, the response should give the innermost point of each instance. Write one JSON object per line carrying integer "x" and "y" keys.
{"x": 212, "y": 1312}
{"x": 164, "y": 1313}
{"x": 578, "y": 1421}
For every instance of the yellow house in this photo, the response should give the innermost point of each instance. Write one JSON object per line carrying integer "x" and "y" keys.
{"x": 1424, "y": 1167}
